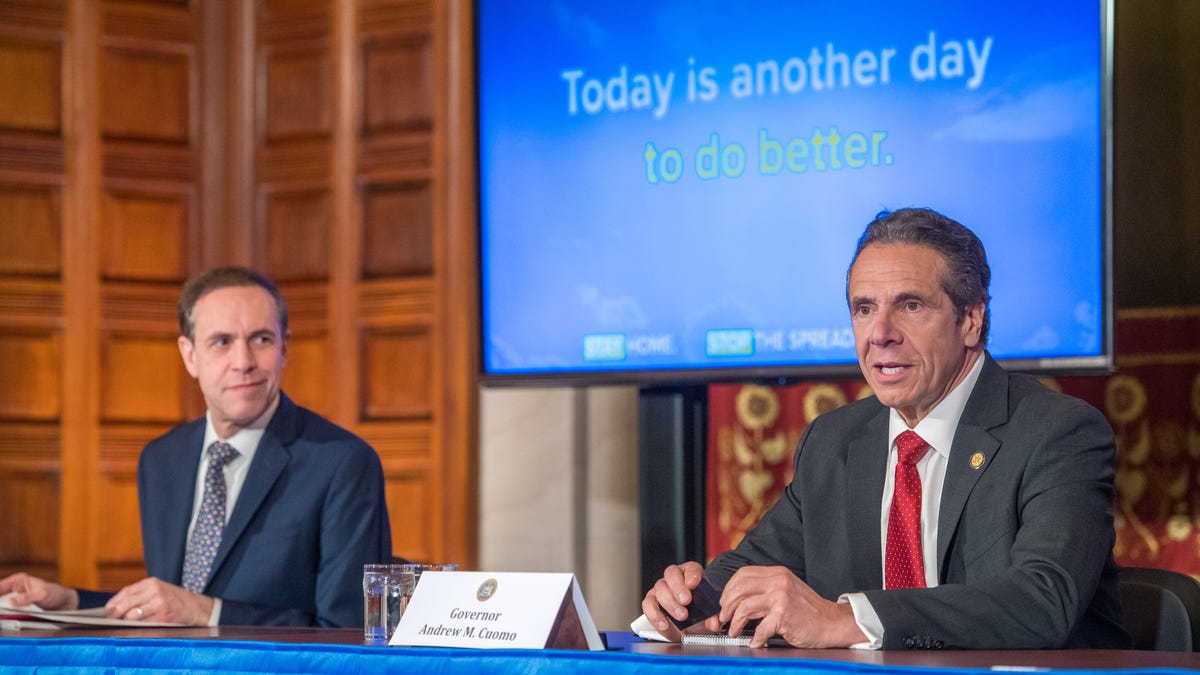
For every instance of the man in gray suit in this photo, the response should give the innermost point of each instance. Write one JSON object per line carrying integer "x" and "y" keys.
{"x": 990, "y": 528}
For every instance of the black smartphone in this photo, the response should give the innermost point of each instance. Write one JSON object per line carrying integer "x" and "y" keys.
{"x": 706, "y": 602}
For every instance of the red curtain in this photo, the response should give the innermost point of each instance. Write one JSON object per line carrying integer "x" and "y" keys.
{"x": 1152, "y": 400}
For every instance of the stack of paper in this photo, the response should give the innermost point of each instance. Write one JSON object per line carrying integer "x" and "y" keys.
{"x": 33, "y": 617}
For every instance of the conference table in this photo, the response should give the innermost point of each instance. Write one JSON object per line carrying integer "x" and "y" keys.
{"x": 236, "y": 649}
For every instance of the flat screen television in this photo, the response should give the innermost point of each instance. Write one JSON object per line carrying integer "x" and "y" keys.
{"x": 671, "y": 192}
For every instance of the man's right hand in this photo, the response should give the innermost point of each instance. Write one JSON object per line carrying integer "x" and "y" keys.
{"x": 30, "y": 590}
{"x": 672, "y": 594}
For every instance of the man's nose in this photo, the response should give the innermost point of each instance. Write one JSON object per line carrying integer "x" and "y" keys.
{"x": 243, "y": 355}
{"x": 883, "y": 329}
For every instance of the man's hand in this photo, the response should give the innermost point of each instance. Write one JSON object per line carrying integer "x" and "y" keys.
{"x": 153, "y": 599}
{"x": 787, "y": 607}
{"x": 31, "y": 590}
{"x": 672, "y": 593}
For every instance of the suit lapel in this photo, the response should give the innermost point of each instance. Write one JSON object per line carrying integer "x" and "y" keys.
{"x": 866, "y": 466}
{"x": 179, "y": 495}
{"x": 270, "y": 460}
{"x": 972, "y": 440}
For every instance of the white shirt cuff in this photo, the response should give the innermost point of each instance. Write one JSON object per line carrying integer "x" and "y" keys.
{"x": 866, "y": 618}
{"x": 214, "y": 619}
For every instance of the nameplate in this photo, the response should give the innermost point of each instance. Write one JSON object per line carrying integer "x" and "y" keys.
{"x": 497, "y": 610}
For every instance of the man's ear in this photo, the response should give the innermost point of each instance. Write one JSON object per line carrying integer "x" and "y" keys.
{"x": 973, "y": 326}
{"x": 287, "y": 337}
{"x": 187, "y": 349}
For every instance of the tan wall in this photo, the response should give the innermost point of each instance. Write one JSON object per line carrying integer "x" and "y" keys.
{"x": 558, "y": 491}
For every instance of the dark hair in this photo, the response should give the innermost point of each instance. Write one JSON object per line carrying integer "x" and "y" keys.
{"x": 967, "y": 273}
{"x": 225, "y": 277}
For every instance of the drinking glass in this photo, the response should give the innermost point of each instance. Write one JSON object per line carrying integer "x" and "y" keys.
{"x": 402, "y": 579}
{"x": 375, "y": 603}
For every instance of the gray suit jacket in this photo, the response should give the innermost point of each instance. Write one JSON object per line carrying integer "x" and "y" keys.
{"x": 1024, "y": 541}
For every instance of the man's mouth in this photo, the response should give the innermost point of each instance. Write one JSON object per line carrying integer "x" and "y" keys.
{"x": 891, "y": 369}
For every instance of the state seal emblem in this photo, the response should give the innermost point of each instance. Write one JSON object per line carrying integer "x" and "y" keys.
{"x": 486, "y": 590}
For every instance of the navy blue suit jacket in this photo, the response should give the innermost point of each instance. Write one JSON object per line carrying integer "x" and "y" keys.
{"x": 310, "y": 514}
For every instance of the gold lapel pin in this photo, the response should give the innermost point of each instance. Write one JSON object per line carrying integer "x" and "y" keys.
{"x": 977, "y": 460}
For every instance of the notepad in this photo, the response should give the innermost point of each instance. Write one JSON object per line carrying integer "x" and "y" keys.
{"x": 717, "y": 639}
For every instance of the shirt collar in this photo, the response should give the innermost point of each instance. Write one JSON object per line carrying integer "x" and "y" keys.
{"x": 246, "y": 440}
{"x": 938, "y": 427}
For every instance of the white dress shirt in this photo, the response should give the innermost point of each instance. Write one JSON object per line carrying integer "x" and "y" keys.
{"x": 937, "y": 429}
{"x": 245, "y": 441}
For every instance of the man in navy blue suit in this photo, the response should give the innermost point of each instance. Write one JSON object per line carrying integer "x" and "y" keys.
{"x": 301, "y": 500}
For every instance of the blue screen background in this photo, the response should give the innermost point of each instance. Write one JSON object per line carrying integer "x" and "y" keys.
{"x": 577, "y": 241}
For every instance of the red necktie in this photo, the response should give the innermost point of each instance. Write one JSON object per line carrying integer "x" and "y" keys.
{"x": 903, "y": 565}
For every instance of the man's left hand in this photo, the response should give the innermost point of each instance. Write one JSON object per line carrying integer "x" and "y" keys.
{"x": 787, "y": 607}
{"x": 153, "y": 599}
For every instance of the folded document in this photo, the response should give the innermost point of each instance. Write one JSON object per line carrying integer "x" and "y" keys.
{"x": 34, "y": 617}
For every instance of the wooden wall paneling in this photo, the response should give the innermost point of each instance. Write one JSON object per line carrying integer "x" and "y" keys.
{"x": 397, "y": 373}
{"x": 149, "y": 72}
{"x": 398, "y": 230}
{"x": 119, "y": 551}
{"x": 30, "y": 302}
{"x": 398, "y": 412}
{"x": 413, "y": 486}
{"x": 151, "y": 21}
{"x": 400, "y": 338}
{"x": 159, "y": 107}
{"x": 293, "y": 71}
{"x": 119, "y": 560}
{"x": 143, "y": 379}
{"x": 29, "y": 500}
{"x": 29, "y": 497}
{"x": 294, "y": 117}
{"x": 31, "y": 214}
{"x": 147, "y": 109}
{"x": 30, "y": 416}
{"x": 295, "y": 232}
{"x": 148, "y": 236}
{"x": 411, "y": 506}
{"x": 31, "y": 236}
{"x": 81, "y": 294}
{"x": 144, "y": 391}
{"x": 346, "y": 226}
{"x": 228, "y": 73}
{"x": 398, "y": 88}
{"x": 306, "y": 378}
{"x": 34, "y": 69}
{"x": 296, "y": 91}
{"x": 311, "y": 363}
{"x": 456, "y": 252}
{"x": 32, "y": 374}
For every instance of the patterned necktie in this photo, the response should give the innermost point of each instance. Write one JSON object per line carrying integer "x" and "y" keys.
{"x": 210, "y": 523}
{"x": 903, "y": 565}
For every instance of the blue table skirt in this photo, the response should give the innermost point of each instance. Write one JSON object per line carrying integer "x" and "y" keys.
{"x": 139, "y": 655}
{"x": 131, "y": 655}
